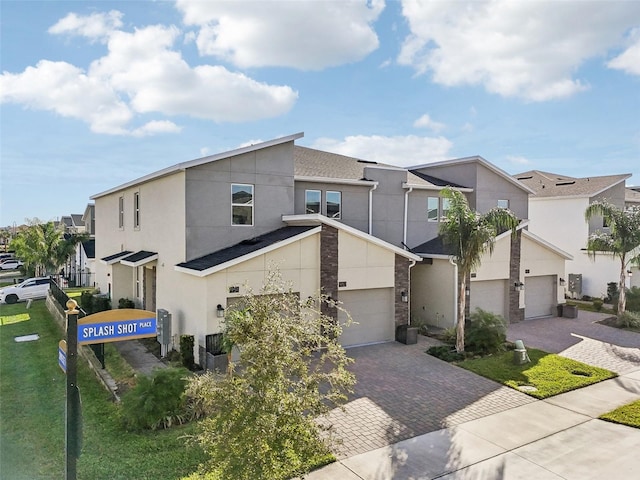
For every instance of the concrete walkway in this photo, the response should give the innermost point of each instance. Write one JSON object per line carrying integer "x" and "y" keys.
{"x": 557, "y": 438}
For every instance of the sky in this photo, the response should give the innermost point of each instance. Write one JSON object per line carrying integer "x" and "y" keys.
{"x": 94, "y": 94}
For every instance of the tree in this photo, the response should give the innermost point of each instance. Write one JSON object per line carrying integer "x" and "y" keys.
{"x": 44, "y": 247}
{"x": 622, "y": 240}
{"x": 469, "y": 235}
{"x": 263, "y": 419}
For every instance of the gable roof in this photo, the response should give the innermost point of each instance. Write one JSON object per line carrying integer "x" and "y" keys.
{"x": 317, "y": 219}
{"x": 77, "y": 220}
{"x": 479, "y": 160}
{"x": 89, "y": 247}
{"x": 546, "y": 184}
{"x": 179, "y": 167}
{"x": 245, "y": 250}
{"x": 317, "y": 165}
{"x": 631, "y": 195}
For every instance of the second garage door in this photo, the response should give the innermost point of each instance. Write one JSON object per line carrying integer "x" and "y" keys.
{"x": 489, "y": 295}
{"x": 374, "y": 312}
{"x": 539, "y": 296}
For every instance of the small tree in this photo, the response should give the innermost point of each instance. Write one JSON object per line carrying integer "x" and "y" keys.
{"x": 470, "y": 235}
{"x": 622, "y": 241}
{"x": 290, "y": 371}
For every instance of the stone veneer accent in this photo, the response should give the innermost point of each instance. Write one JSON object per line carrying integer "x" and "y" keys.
{"x": 401, "y": 274}
{"x": 329, "y": 268}
{"x": 516, "y": 314}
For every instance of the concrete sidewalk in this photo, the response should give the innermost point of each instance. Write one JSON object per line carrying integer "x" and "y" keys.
{"x": 557, "y": 438}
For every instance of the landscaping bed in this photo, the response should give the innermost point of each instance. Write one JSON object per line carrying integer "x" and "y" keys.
{"x": 626, "y": 415}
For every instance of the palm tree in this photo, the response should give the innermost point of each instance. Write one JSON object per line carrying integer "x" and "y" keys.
{"x": 622, "y": 240}
{"x": 44, "y": 248}
{"x": 470, "y": 235}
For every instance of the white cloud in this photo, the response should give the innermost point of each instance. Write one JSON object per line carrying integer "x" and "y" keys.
{"x": 402, "y": 151}
{"x": 141, "y": 73}
{"x": 97, "y": 26}
{"x": 308, "y": 35}
{"x": 517, "y": 160}
{"x": 425, "y": 121}
{"x": 520, "y": 49}
{"x": 629, "y": 60}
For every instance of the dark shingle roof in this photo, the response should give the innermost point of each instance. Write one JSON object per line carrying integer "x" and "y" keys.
{"x": 547, "y": 184}
{"x": 244, "y": 248}
{"x": 438, "y": 182}
{"x": 138, "y": 256}
{"x": 77, "y": 219}
{"x": 116, "y": 255}
{"x": 435, "y": 246}
{"x": 89, "y": 248}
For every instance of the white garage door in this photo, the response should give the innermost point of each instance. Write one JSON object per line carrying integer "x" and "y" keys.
{"x": 374, "y": 312}
{"x": 539, "y": 298}
{"x": 489, "y": 295}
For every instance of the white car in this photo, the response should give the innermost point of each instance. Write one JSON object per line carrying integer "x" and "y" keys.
{"x": 11, "y": 264}
{"x": 29, "y": 289}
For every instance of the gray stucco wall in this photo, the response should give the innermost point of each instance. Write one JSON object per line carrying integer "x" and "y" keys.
{"x": 614, "y": 195}
{"x": 208, "y": 198}
{"x": 355, "y": 201}
{"x": 388, "y": 204}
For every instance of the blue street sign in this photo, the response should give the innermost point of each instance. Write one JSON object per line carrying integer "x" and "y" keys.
{"x": 62, "y": 355}
{"x": 114, "y": 331}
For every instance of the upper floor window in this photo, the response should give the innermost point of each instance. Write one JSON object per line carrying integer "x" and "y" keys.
{"x": 312, "y": 201}
{"x": 334, "y": 205}
{"x": 503, "y": 203}
{"x": 446, "y": 205}
{"x": 241, "y": 204}
{"x": 121, "y": 212}
{"x": 136, "y": 210}
{"x": 433, "y": 207}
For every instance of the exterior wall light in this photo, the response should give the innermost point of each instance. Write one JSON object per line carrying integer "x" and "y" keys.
{"x": 220, "y": 311}
{"x": 563, "y": 282}
{"x": 518, "y": 286}
{"x": 404, "y": 296}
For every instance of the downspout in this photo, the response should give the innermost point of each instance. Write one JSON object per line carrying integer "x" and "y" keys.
{"x": 455, "y": 290}
{"x": 373, "y": 187}
{"x": 406, "y": 215}
{"x": 413, "y": 262}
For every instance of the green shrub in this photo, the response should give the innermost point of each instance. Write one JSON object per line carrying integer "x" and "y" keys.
{"x": 448, "y": 336}
{"x": 629, "y": 320}
{"x": 446, "y": 353}
{"x": 86, "y": 302}
{"x": 92, "y": 303}
{"x": 633, "y": 299}
{"x": 486, "y": 333}
{"x": 157, "y": 401}
{"x": 597, "y": 304}
{"x": 101, "y": 303}
{"x": 186, "y": 349}
{"x": 126, "y": 303}
{"x": 612, "y": 291}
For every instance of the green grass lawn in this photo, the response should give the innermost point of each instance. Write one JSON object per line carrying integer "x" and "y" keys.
{"x": 548, "y": 373}
{"x": 626, "y": 415}
{"x": 33, "y": 409}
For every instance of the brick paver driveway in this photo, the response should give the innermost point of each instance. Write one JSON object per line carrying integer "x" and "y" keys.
{"x": 582, "y": 339}
{"x": 403, "y": 392}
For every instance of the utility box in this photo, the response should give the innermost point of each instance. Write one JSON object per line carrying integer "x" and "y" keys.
{"x": 406, "y": 334}
{"x": 520, "y": 355}
{"x": 164, "y": 326}
{"x": 575, "y": 284}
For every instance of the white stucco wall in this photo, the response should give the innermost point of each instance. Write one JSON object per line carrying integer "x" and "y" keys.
{"x": 495, "y": 266}
{"x": 433, "y": 293}
{"x": 539, "y": 261}
{"x": 362, "y": 264}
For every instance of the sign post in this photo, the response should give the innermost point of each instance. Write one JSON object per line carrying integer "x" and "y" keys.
{"x": 72, "y": 444}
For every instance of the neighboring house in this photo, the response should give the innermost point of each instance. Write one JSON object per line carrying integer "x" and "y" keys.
{"x": 194, "y": 237}
{"x": 556, "y": 213}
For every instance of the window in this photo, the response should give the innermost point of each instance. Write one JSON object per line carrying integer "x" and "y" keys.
{"x": 433, "y": 204}
{"x": 136, "y": 210}
{"x": 334, "y": 205}
{"x": 445, "y": 207}
{"x": 503, "y": 203}
{"x": 121, "y": 212}
{"x": 241, "y": 204}
{"x": 312, "y": 201}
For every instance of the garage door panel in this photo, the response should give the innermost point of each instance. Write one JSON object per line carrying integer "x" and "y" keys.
{"x": 539, "y": 296}
{"x": 489, "y": 295}
{"x": 373, "y": 311}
